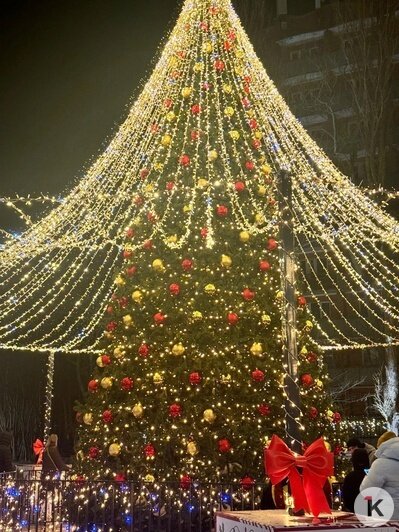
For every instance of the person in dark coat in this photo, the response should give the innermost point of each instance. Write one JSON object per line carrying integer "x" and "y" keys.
{"x": 352, "y": 481}
{"x": 5, "y": 453}
{"x": 52, "y": 460}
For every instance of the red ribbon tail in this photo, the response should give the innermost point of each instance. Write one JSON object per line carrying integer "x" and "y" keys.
{"x": 297, "y": 491}
{"x": 315, "y": 495}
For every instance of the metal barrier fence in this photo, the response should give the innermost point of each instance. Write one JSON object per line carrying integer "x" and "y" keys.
{"x": 74, "y": 505}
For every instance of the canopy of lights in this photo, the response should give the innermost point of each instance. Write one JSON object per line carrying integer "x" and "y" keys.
{"x": 58, "y": 275}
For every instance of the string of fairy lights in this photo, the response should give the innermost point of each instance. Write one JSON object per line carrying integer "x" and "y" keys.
{"x": 57, "y": 276}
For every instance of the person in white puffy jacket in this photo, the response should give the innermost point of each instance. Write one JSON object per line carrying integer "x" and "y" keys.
{"x": 384, "y": 471}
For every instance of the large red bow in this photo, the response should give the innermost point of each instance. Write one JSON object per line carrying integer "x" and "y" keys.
{"x": 38, "y": 448}
{"x": 307, "y": 489}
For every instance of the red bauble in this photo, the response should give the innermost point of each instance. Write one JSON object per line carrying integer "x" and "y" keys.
{"x": 264, "y": 409}
{"x": 175, "y": 410}
{"x": 94, "y": 453}
{"x": 168, "y": 103}
{"x": 232, "y": 318}
{"x": 301, "y": 301}
{"x": 147, "y": 244}
{"x": 219, "y": 65}
{"x": 185, "y": 482}
{"x": 106, "y": 360}
{"x": 253, "y": 124}
{"x": 271, "y": 244}
{"x": 129, "y": 232}
{"x": 336, "y": 418}
{"x": 149, "y": 450}
{"x": 92, "y": 385}
{"x": 107, "y": 416}
{"x": 174, "y": 289}
{"x": 264, "y": 265}
{"x": 239, "y": 186}
{"x": 203, "y": 26}
{"x": 187, "y": 264}
{"x": 123, "y": 302}
{"x": 256, "y": 144}
{"x": 311, "y": 357}
{"x": 126, "y": 383}
{"x": 151, "y": 217}
{"x": 144, "y": 350}
{"x": 204, "y": 232}
{"x": 338, "y": 449}
{"x": 248, "y": 294}
{"x": 258, "y": 375}
{"x": 313, "y": 412}
{"x": 196, "y": 109}
{"x": 184, "y": 160}
{"x": 131, "y": 270}
{"x": 127, "y": 253}
{"x": 227, "y": 46}
{"x": 138, "y": 200}
{"x": 195, "y": 134}
{"x": 144, "y": 173}
{"x": 224, "y": 445}
{"x": 231, "y": 35}
{"x": 249, "y": 165}
{"x": 195, "y": 378}
{"x": 111, "y": 326}
{"x": 110, "y": 309}
{"x": 307, "y": 380}
{"x": 170, "y": 185}
{"x": 245, "y": 102}
{"x": 120, "y": 477}
{"x": 222, "y": 210}
{"x": 79, "y": 417}
{"x": 247, "y": 79}
{"x": 247, "y": 483}
{"x": 154, "y": 127}
{"x": 159, "y": 318}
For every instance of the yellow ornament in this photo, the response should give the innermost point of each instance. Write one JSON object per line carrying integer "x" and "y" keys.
{"x": 262, "y": 190}
{"x": 256, "y": 349}
{"x": 308, "y": 325}
{"x": 149, "y": 189}
{"x": 88, "y": 418}
{"x": 158, "y": 167}
{"x": 172, "y": 239}
{"x": 114, "y": 449}
{"x": 303, "y": 351}
{"x": 226, "y": 261}
{"x": 197, "y": 315}
{"x": 229, "y": 111}
{"x": 258, "y": 134}
{"x": 166, "y": 140}
{"x": 259, "y": 218}
{"x": 319, "y": 384}
{"x": 173, "y": 62}
{"x": 187, "y": 208}
{"x": 149, "y": 479}
{"x": 119, "y": 280}
{"x": 127, "y": 320}
{"x": 157, "y": 265}
{"x": 238, "y": 69}
{"x": 212, "y": 155}
{"x": 207, "y": 47}
{"x": 244, "y": 236}
{"x": 106, "y": 383}
{"x": 198, "y": 67}
{"x": 329, "y": 414}
{"x": 170, "y": 116}
{"x": 266, "y": 169}
{"x": 192, "y": 448}
{"x": 178, "y": 349}
{"x": 138, "y": 410}
{"x": 235, "y": 135}
{"x": 186, "y": 92}
{"x": 119, "y": 352}
{"x": 202, "y": 183}
{"x": 137, "y": 296}
{"x": 209, "y": 415}
{"x": 227, "y": 88}
{"x": 225, "y": 379}
{"x": 210, "y": 289}
{"x": 279, "y": 295}
{"x": 99, "y": 361}
{"x": 157, "y": 378}
{"x": 240, "y": 53}
{"x": 266, "y": 319}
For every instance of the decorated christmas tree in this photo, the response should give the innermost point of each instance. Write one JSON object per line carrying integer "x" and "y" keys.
{"x": 192, "y": 379}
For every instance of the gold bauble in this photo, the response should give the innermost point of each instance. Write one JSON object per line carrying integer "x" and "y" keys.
{"x": 244, "y": 236}
{"x": 157, "y": 265}
{"x": 198, "y": 67}
{"x": 178, "y": 349}
{"x": 258, "y": 134}
{"x": 225, "y": 379}
{"x": 212, "y": 155}
{"x": 170, "y": 116}
{"x": 266, "y": 319}
{"x": 159, "y": 167}
{"x": 166, "y": 140}
{"x": 266, "y": 169}
{"x": 157, "y": 378}
{"x": 186, "y": 92}
{"x": 197, "y": 315}
{"x": 256, "y": 349}
{"x": 88, "y": 418}
{"x": 303, "y": 351}
{"x": 259, "y": 218}
{"x": 209, "y": 415}
{"x": 319, "y": 384}
{"x": 227, "y": 88}
{"x": 187, "y": 208}
{"x": 119, "y": 280}
{"x": 99, "y": 361}
{"x": 234, "y": 134}
{"x": 137, "y": 296}
{"x": 202, "y": 183}
{"x": 207, "y": 47}
{"x": 114, "y": 449}
{"x": 210, "y": 289}
{"x": 172, "y": 239}
{"x": 127, "y": 320}
{"x": 149, "y": 479}
{"x": 119, "y": 352}
{"x": 138, "y": 410}
{"x": 240, "y": 53}
{"x": 308, "y": 325}
{"x": 106, "y": 383}
{"x": 279, "y": 295}
{"x": 262, "y": 190}
{"x": 192, "y": 448}
{"x": 229, "y": 111}
{"x": 226, "y": 261}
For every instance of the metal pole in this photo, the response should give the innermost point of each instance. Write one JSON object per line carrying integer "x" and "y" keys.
{"x": 49, "y": 395}
{"x": 288, "y": 315}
